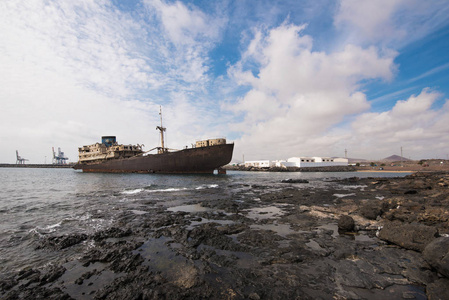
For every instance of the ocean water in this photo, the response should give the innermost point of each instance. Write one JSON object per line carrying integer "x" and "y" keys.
{"x": 35, "y": 203}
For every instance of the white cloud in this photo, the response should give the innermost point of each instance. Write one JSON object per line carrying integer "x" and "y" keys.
{"x": 370, "y": 19}
{"x": 191, "y": 34}
{"x": 299, "y": 94}
{"x": 411, "y": 123}
{"x": 185, "y": 25}
{"x": 390, "y": 21}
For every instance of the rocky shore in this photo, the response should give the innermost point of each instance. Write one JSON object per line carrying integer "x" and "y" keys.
{"x": 372, "y": 238}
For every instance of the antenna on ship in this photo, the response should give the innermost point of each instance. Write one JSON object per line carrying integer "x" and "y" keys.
{"x": 162, "y": 129}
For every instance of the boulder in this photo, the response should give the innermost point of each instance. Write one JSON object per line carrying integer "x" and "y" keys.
{"x": 371, "y": 210}
{"x": 410, "y": 236}
{"x": 346, "y": 223}
{"x": 437, "y": 255}
{"x": 438, "y": 290}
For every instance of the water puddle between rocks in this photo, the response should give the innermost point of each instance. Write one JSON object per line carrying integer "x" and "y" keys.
{"x": 343, "y": 195}
{"x": 331, "y": 227}
{"x": 360, "y": 236}
{"x": 138, "y": 212}
{"x": 241, "y": 259}
{"x": 261, "y": 213}
{"x": 314, "y": 246}
{"x": 95, "y": 277}
{"x": 363, "y": 237}
{"x": 204, "y": 221}
{"x": 353, "y": 187}
{"x": 160, "y": 257}
{"x": 280, "y": 229}
{"x": 192, "y": 208}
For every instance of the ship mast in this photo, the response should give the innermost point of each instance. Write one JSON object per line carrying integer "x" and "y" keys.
{"x": 161, "y": 129}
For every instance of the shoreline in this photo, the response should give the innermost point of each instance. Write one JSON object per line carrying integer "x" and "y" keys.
{"x": 388, "y": 171}
{"x": 36, "y": 166}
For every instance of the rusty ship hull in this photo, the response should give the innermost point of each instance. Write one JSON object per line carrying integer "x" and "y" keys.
{"x": 192, "y": 160}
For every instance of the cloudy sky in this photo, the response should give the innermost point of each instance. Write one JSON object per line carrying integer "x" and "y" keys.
{"x": 279, "y": 78}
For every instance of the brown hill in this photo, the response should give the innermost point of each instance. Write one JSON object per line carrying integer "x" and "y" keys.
{"x": 395, "y": 158}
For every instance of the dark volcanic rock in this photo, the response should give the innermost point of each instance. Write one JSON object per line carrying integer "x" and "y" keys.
{"x": 52, "y": 274}
{"x": 39, "y": 293}
{"x": 437, "y": 255}
{"x": 294, "y": 181}
{"x": 410, "y": 236}
{"x": 371, "y": 210}
{"x": 346, "y": 223}
{"x": 112, "y": 232}
{"x": 61, "y": 242}
{"x": 438, "y": 290}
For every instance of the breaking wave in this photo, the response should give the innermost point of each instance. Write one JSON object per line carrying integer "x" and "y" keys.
{"x": 131, "y": 192}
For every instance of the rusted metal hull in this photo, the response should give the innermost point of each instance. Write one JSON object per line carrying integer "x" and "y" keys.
{"x": 193, "y": 160}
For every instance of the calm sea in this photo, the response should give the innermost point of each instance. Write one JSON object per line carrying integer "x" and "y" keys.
{"x": 39, "y": 202}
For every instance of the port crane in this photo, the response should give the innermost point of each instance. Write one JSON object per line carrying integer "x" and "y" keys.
{"x": 20, "y": 160}
{"x": 59, "y": 159}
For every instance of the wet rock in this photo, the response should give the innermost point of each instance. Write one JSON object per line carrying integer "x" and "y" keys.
{"x": 187, "y": 277}
{"x": 52, "y": 274}
{"x": 371, "y": 210}
{"x": 112, "y": 232}
{"x": 209, "y": 234}
{"x": 259, "y": 238}
{"x": 410, "y": 236}
{"x": 7, "y": 284}
{"x": 410, "y": 192}
{"x": 346, "y": 223}
{"x": 119, "y": 254}
{"x": 437, "y": 255}
{"x": 406, "y": 211}
{"x": 62, "y": 242}
{"x": 254, "y": 296}
{"x": 438, "y": 290}
{"x": 86, "y": 275}
{"x": 290, "y": 180}
{"x": 27, "y": 273}
{"x": 359, "y": 274}
{"x": 39, "y": 293}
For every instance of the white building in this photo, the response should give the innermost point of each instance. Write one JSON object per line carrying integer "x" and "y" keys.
{"x": 258, "y": 163}
{"x": 278, "y": 163}
{"x": 302, "y": 162}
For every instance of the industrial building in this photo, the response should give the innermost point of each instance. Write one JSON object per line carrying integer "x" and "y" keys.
{"x": 299, "y": 162}
{"x": 307, "y": 162}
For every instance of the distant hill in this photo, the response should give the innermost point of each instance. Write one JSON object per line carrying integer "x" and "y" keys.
{"x": 395, "y": 158}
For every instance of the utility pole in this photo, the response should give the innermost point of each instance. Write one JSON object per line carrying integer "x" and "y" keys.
{"x": 162, "y": 129}
{"x": 401, "y": 158}
{"x": 346, "y": 153}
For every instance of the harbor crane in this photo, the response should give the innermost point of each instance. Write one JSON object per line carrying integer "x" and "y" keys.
{"x": 20, "y": 160}
{"x": 59, "y": 159}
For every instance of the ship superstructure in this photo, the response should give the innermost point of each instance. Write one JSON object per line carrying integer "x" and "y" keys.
{"x": 106, "y": 150}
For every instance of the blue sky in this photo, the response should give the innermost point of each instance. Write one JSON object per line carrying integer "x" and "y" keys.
{"x": 279, "y": 78}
